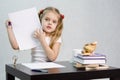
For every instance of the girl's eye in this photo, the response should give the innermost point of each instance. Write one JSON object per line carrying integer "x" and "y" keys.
{"x": 47, "y": 19}
{"x": 54, "y": 21}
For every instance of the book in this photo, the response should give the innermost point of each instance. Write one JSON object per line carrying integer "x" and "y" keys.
{"x": 100, "y": 67}
{"x": 89, "y": 61}
{"x": 88, "y": 67}
{"x": 79, "y": 65}
{"x": 93, "y": 56}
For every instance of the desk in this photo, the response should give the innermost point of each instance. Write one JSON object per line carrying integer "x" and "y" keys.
{"x": 67, "y": 73}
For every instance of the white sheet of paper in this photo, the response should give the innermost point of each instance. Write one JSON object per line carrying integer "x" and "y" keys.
{"x": 24, "y": 24}
{"x": 42, "y": 65}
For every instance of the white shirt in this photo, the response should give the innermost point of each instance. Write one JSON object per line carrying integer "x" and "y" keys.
{"x": 38, "y": 54}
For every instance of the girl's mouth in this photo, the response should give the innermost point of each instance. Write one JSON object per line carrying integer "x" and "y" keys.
{"x": 48, "y": 27}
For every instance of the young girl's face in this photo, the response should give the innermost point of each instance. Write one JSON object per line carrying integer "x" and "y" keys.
{"x": 50, "y": 22}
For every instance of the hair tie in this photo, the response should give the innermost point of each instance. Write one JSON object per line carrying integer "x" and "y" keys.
{"x": 62, "y": 16}
{"x": 41, "y": 12}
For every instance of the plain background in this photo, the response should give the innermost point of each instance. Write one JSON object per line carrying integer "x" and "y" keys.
{"x": 85, "y": 21}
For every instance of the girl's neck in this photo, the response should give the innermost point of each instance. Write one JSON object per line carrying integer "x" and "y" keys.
{"x": 47, "y": 34}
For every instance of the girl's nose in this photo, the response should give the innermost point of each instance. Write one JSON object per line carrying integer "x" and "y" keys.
{"x": 50, "y": 22}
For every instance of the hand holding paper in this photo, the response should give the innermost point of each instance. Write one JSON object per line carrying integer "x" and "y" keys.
{"x": 39, "y": 34}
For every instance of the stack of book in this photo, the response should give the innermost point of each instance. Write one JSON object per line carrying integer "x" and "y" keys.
{"x": 90, "y": 62}
{"x": 95, "y": 58}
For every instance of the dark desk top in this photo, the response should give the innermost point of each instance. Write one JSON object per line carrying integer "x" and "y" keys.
{"x": 69, "y": 72}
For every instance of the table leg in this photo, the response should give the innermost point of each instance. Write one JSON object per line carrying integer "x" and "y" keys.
{"x": 9, "y": 77}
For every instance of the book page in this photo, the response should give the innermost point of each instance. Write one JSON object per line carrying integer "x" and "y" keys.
{"x": 24, "y": 24}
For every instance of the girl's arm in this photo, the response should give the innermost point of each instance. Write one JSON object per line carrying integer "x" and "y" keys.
{"x": 11, "y": 36}
{"x": 51, "y": 53}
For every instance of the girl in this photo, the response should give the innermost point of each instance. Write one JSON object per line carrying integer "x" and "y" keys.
{"x": 49, "y": 36}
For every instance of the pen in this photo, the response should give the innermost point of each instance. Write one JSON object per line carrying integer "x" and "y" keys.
{"x": 40, "y": 70}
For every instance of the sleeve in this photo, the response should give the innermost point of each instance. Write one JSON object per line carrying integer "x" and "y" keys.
{"x": 59, "y": 40}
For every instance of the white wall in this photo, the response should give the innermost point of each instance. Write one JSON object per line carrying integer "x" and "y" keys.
{"x": 85, "y": 21}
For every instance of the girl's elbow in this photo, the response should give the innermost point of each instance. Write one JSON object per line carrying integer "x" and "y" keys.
{"x": 15, "y": 47}
{"x": 52, "y": 59}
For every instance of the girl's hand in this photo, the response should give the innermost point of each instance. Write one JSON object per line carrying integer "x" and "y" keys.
{"x": 8, "y": 24}
{"x": 39, "y": 34}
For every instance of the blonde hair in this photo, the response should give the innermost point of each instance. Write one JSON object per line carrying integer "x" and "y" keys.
{"x": 58, "y": 31}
